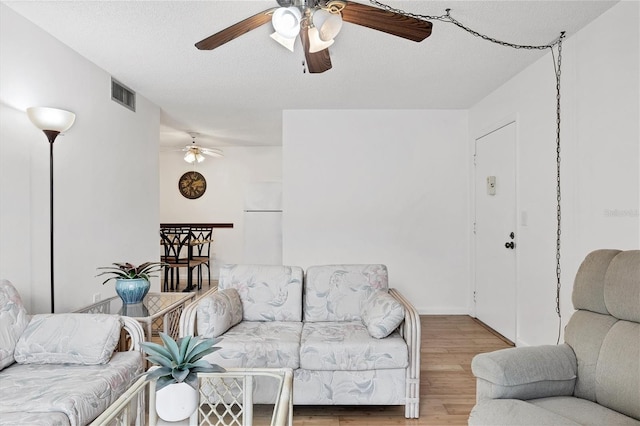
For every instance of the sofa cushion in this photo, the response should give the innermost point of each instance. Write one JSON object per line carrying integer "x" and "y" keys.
{"x": 584, "y": 412}
{"x": 362, "y": 387}
{"x": 349, "y": 346}
{"x": 585, "y": 333}
{"x": 622, "y": 286}
{"x": 69, "y": 338}
{"x": 618, "y": 370}
{"x": 338, "y": 292}
{"x": 589, "y": 283}
{"x": 382, "y": 314}
{"x": 255, "y": 344}
{"x": 515, "y": 412}
{"x": 13, "y": 321}
{"x": 81, "y": 392}
{"x": 34, "y": 419}
{"x": 218, "y": 312}
{"x": 268, "y": 292}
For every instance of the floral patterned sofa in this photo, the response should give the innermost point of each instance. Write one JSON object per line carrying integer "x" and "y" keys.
{"x": 61, "y": 369}
{"x": 349, "y": 338}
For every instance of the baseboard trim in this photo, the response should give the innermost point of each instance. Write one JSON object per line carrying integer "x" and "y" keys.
{"x": 442, "y": 311}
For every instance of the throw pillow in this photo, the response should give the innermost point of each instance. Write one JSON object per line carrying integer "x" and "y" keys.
{"x": 219, "y": 312}
{"x": 381, "y": 314}
{"x": 87, "y": 339}
{"x": 13, "y": 321}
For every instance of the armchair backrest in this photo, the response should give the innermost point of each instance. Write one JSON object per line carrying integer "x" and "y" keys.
{"x": 267, "y": 292}
{"x": 337, "y": 292}
{"x": 604, "y": 332}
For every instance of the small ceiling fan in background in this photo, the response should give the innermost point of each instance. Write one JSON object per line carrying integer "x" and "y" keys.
{"x": 196, "y": 153}
{"x": 317, "y": 22}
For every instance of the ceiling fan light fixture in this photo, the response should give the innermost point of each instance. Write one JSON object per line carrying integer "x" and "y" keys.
{"x": 193, "y": 156}
{"x": 286, "y": 21}
{"x": 328, "y": 24}
{"x": 315, "y": 43}
{"x": 189, "y": 157}
{"x": 289, "y": 43}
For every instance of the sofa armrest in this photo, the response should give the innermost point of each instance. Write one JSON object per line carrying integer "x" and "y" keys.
{"x": 411, "y": 332}
{"x": 525, "y": 373}
{"x": 187, "y": 324}
{"x": 135, "y": 331}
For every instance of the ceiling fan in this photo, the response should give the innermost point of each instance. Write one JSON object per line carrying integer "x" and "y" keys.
{"x": 317, "y": 22}
{"x": 196, "y": 153}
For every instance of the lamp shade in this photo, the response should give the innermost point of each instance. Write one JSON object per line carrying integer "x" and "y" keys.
{"x": 315, "y": 43}
{"x": 289, "y": 43}
{"x": 54, "y": 119}
{"x": 327, "y": 23}
{"x": 286, "y": 21}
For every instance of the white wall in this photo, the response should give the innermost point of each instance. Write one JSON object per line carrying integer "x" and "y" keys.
{"x": 381, "y": 186}
{"x": 375, "y": 186}
{"x": 223, "y": 202}
{"x": 106, "y": 172}
{"x": 600, "y": 160}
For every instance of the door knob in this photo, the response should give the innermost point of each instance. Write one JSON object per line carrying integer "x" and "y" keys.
{"x": 510, "y": 245}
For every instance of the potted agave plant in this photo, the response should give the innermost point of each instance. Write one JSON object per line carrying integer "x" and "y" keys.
{"x": 132, "y": 282}
{"x": 178, "y": 365}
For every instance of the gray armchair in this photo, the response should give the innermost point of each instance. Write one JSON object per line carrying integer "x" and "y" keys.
{"x": 591, "y": 379}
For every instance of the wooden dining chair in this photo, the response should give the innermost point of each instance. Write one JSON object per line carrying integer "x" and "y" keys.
{"x": 176, "y": 243}
{"x": 201, "y": 239}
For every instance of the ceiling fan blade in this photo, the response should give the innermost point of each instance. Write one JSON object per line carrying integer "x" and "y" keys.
{"x": 317, "y": 62}
{"x": 212, "y": 152}
{"x": 386, "y": 21}
{"x": 235, "y": 30}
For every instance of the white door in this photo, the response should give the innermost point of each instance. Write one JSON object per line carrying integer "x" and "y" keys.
{"x": 495, "y": 228}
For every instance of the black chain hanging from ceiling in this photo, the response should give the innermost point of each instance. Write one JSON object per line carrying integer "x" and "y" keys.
{"x": 557, "y": 69}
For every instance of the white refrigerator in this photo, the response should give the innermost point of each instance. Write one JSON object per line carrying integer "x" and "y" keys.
{"x": 263, "y": 223}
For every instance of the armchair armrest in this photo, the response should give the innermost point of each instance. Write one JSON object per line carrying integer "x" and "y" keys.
{"x": 411, "y": 332}
{"x": 525, "y": 373}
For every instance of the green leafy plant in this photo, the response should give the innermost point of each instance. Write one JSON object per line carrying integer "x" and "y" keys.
{"x": 180, "y": 361}
{"x": 130, "y": 271}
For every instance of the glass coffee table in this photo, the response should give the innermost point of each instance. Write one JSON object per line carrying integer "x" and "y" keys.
{"x": 225, "y": 399}
{"x": 157, "y": 312}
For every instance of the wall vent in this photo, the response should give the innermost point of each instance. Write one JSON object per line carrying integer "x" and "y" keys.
{"x": 123, "y": 95}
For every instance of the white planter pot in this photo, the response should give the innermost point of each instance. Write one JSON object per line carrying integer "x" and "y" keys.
{"x": 176, "y": 402}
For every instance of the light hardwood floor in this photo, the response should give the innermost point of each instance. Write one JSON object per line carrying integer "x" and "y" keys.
{"x": 447, "y": 386}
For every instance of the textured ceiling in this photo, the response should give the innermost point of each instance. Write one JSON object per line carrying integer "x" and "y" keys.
{"x": 235, "y": 95}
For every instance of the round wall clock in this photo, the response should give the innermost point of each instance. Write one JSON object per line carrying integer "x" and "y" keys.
{"x": 192, "y": 185}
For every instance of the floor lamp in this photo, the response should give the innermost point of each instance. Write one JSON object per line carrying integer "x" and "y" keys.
{"x": 51, "y": 121}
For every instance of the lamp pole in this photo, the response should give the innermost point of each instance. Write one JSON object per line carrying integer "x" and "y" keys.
{"x": 51, "y": 136}
{"x": 51, "y": 121}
